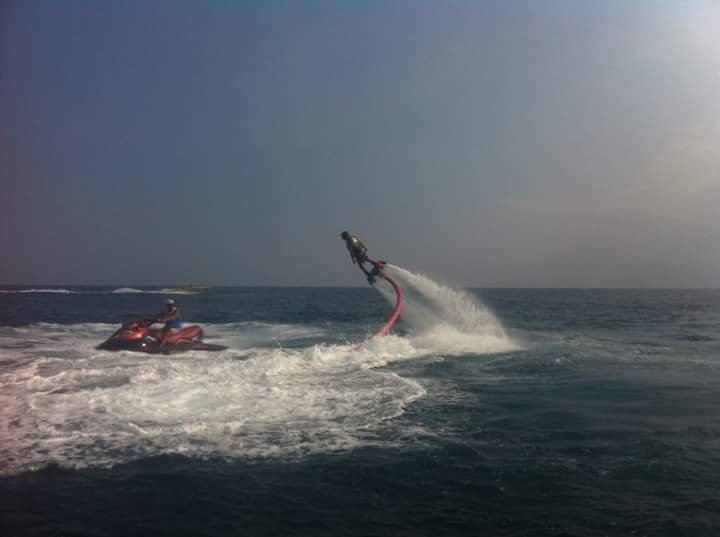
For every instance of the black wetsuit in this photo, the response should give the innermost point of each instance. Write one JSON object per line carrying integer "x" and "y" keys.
{"x": 358, "y": 253}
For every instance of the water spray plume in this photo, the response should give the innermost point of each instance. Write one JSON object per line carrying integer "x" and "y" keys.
{"x": 443, "y": 318}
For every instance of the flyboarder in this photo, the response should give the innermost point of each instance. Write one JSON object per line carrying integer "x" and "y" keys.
{"x": 358, "y": 255}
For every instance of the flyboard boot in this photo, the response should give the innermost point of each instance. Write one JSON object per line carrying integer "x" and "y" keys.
{"x": 377, "y": 269}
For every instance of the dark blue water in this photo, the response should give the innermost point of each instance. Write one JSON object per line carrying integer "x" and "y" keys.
{"x": 602, "y": 417}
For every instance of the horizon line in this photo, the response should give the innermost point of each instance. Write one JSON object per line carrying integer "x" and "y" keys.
{"x": 509, "y": 287}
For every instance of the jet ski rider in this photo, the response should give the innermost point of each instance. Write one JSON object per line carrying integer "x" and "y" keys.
{"x": 358, "y": 255}
{"x": 171, "y": 317}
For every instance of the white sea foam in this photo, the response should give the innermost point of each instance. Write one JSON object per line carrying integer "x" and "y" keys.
{"x": 67, "y": 403}
{"x": 278, "y": 391}
{"x": 121, "y": 290}
{"x": 163, "y": 291}
{"x": 176, "y": 291}
{"x": 58, "y": 291}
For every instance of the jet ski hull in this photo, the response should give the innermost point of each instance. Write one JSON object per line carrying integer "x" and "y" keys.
{"x": 154, "y": 347}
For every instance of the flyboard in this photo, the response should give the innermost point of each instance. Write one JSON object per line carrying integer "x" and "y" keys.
{"x": 376, "y": 272}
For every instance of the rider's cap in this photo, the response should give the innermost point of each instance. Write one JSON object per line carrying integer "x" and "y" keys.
{"x": 169, "y": 301}
{"x": 344, "y": 235}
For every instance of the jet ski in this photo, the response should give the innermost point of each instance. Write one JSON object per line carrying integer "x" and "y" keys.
{"x": 139, "y": 336}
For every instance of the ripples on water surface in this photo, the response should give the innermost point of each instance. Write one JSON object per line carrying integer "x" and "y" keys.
{"x": 575, "y": 413}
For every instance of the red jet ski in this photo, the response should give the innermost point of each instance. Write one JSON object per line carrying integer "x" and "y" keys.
{"x": 141, "y": 337}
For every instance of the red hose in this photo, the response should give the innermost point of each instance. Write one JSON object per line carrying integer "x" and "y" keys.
{"x": 395, "y": 314}
{"x": 398, "y": 306}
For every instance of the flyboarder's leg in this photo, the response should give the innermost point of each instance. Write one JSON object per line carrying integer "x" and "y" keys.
{"x": 377, "y": 268}
{"x": 368, "y": 274}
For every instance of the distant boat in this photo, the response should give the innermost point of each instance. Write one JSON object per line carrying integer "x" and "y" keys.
{"x": 189, "y": 288}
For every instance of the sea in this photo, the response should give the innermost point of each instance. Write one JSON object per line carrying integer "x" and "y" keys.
{"x": 528, "y": 412}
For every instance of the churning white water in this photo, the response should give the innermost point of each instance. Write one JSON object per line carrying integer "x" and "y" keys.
{"x": 279, "y": 390}
{"x": 446, "y": 320}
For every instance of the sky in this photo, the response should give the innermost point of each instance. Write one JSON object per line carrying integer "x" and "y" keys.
{"x": 487, "y": 143}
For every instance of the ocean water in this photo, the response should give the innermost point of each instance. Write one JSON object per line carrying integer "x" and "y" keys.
{"x": 485, "y": 412}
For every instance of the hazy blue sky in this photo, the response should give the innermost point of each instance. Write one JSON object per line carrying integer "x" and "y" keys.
{"x": 504, "y": 143}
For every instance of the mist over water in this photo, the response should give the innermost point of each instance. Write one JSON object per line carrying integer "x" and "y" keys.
{"x": 442, "y": 319}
